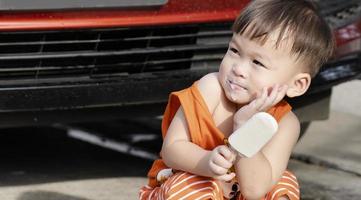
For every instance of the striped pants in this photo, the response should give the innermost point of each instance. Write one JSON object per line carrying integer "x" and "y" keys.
{"x": 183, "y": 185}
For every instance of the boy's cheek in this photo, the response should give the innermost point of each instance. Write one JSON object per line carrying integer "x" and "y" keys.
{"x": 254, "y": 95}
{"x": 257, "y": 91}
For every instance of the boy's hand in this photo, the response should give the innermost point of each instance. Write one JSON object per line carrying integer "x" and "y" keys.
{"x": 261, "y": 103}
{"x": 220, "y": 161}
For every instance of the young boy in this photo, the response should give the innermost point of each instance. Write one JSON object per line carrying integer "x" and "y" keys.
{"x": 276, "y": 48}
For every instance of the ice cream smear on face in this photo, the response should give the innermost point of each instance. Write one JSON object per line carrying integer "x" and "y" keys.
{"x": 254, "y": 134}
{"x": 233, "y": 96}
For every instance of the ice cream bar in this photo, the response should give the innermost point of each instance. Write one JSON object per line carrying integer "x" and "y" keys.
{"x": 254, "y": 134}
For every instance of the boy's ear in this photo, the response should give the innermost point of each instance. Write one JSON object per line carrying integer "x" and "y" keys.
{"x": 299, "y": 85}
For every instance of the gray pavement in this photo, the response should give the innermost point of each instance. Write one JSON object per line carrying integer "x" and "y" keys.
{"x": 90, "y": 189}
{"x": 327, "y": 160}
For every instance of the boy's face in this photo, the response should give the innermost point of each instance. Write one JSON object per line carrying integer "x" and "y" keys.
{"x": 248, "y": 67}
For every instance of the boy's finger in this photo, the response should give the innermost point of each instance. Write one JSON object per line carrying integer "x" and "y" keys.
{"x": 226, "y": 153}
{"x": 274, "y": 92}
{"x": 233, "y": 159}
{"x": 274, "y": 95}
{"x": 281, "y": 94}
{"x": 217, "y": 169}
{"x": 222, "y": 162}
{"x": 260, "y": 101}
{"x": 271, "y": 98}
{"x": 282, "y": 88}
{"x": 226, "y": 177}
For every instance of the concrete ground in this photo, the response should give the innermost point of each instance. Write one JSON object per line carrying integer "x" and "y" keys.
{"x": 327, "y": 162}
{"x": 331, "y": 152}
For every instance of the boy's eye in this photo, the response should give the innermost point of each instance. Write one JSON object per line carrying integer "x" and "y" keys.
{"x": 258, "y": 63}
{"x": 233, "y": 50}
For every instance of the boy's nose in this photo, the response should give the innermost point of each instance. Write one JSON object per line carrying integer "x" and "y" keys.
{"x": 239, "y": 70}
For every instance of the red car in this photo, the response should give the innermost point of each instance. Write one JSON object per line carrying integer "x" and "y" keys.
{"x": 98, "y": 60}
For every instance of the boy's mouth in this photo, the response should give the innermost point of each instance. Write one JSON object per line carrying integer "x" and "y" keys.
{"x": 236, "y": 86}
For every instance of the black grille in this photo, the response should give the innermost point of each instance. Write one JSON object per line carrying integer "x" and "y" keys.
{"x": 41, "y": 56}
{"x": 99, "y": 53}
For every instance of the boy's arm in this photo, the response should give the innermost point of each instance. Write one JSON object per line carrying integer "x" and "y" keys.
{"x": 177, "y": 148}
{"x": 178, "y": 152}
{"x": 259, "y": 173}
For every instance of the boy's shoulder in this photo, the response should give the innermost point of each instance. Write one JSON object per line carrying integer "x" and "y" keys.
{"x": 211, "y": 90}
{"x": 291, "y": 121}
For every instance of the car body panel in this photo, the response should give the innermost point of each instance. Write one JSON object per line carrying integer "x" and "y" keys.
{"x": 174, "y": 12}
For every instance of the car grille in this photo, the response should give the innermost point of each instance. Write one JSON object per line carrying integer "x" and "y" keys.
{"x": 94, "y": 54}
{"x": 99, "y": 53}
